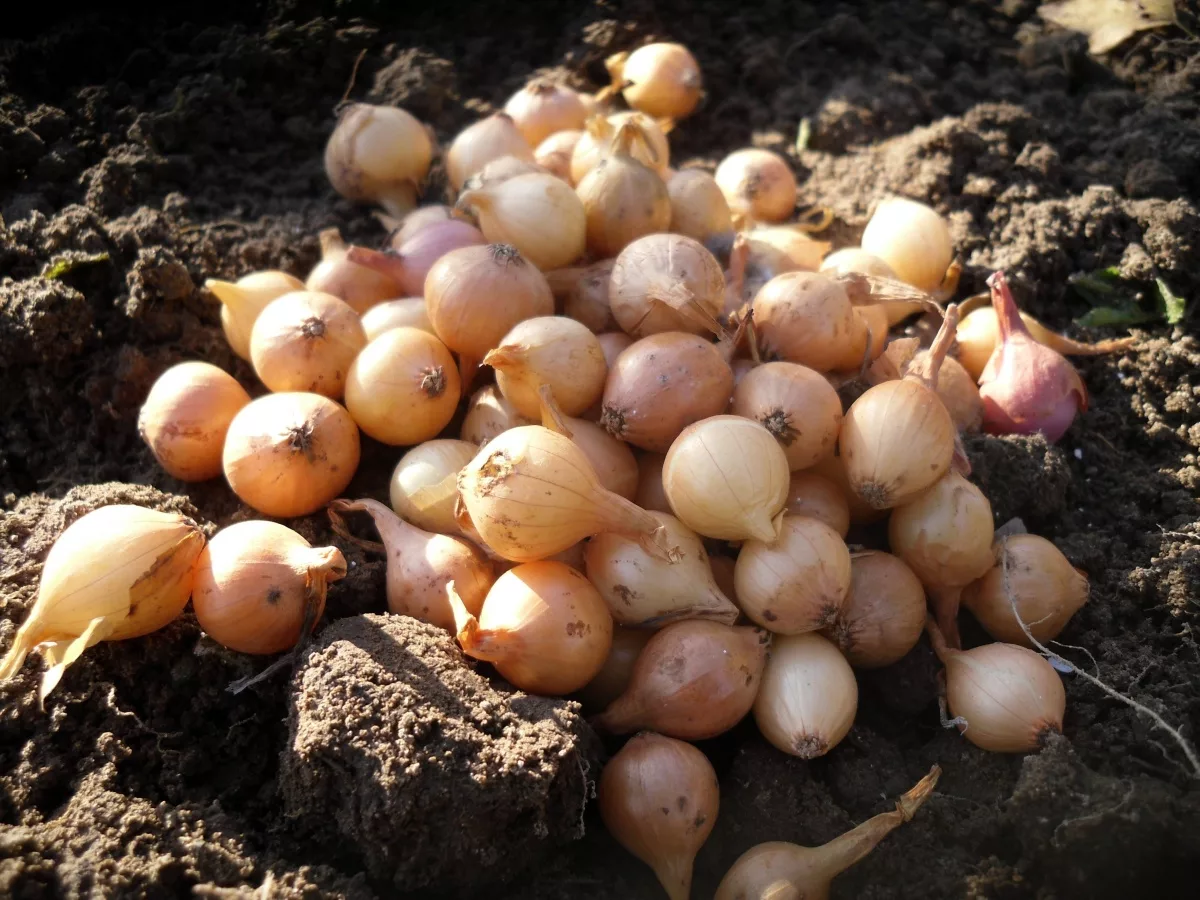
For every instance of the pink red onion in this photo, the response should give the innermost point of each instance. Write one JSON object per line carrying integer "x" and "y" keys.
{"x": 409, "y": 263}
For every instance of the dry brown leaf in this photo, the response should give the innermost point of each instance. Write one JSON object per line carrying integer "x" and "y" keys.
{"x": 1109, "y": 22}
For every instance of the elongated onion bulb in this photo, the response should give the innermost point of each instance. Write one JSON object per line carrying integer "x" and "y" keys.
{"x": 378, "y": 154}
{"x": 542, "y": 108}
{"x": 884, "y": 612}
{"x": 1033, "y": 574}
{"x": 692, "y": 681}
{"x": 532, "y": 493}
{"x": 945, "y": 536}
{"x": 407, "y": 312}
{"x": 815, "y": 496}
{"x": 306, "y": 341}
{"x": 667, "y": 282}
{"x": 798, "y": 406}
{"x": 698, "y": 208}
{"x": 403, "y": 388}
{"x": 808, "y": 697}
{"x": 554, "y": 352}
{"x": 659, "y": 798}
{"x": 260, "y": 584}
{"x": 897, "y": 438}
{"x": 290, "y": 454}
{"x": 796, "y": 582}
{"x": 117, "y": 572}
{"x": 244, "y": 299}
{"x": 424, "y": 485}
{"x": 911, "y": 238}
{"x": 643, "y": 591}
{"x": 186, "y": 416}
{"x": 489, "y": 414}
{"x": 543, "y": 626}
{"x": 538, "y": 214}
{"x": 555, "y": 152}
{"x": 778, "y": 870}
{"x": 358, "y": 286}
{"x": 1008, "y": 698}
{"x": 478, "y": 144}
{"x": 661, "y": 80}
{"x": 660, "y": 385}
{"x": 420, "y": 564}
{"x": 613, "y": 678}
{"x": 712, "y": 488}
{"x": 624, "y": 199}
{"x": 758, "y": 184}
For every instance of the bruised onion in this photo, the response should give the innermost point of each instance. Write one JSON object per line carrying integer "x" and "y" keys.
{"x": 884, "y": 612}
{"x": 660, "y": 79}
{"x": 186, "y": 416}
{"x": 289, "y": 454}
{"x": 306, "y": 341}
{"x": 538, "y": 214}
{"x": 407, "y": 312}
{"x": 758, "y": 184}
{"x": 659, "y": 797}
{"x": 624, "y": 199}
{"x": 648, "y": 592}
{"x": 403, "y": 388}
{"x": 424, "y": 485}
{"x": 543, "y": 626}
{"x": 660, "y": 385}
{"x": 815, "y": 496}
{"x": 378, "y": 154}
{"x": 667, "y": 282}
{"x": 549, "y": 352}
{"x": 480, "y": 143}
{"x": 698, "y": 208}
{"x": 244, "y": 299}
{"x": 808, "y": 697}
{"x": 799, "y": 407}
{"x": 693, "y": 680}
{"x": 488, "y": 415}
{"x": 359, "y": 286}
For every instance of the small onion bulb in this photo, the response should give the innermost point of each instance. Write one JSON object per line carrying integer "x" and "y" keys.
{"x": 913, "y": 239}
{"x": 555, "y": 152}
{"x": 798, "y": 406}
{"x": 884, "y": 612}
{"x": 424, "y": 485}
{"x": 698, "y": 208}
{"x": 662, "y": 80}
{"x": 244, "y": 299}
{"x": 542, "y": 108}
{"x": 478, "y": 144}
{"x": 758, "y": 184}
{"x": 549, "y": 352}
{"x": 538, "y": 214}
{"x": 667, "y": 282}
{"x": 407, "y": 312}
{"x": 808, "y": 697}
{"x": 359, "y": 286}
{"x": 624, "y": 199}
{"x": 815, "y": 496}
{"x": 306, "y": 341}
{"x": 488, "y": 415}
{"x": 378, "y": 154}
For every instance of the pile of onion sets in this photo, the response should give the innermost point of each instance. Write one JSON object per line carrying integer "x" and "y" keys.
{"x": 656, "y": 447}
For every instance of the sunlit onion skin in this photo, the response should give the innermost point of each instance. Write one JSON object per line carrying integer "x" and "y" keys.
{"x": 480, "y": 143}
{"x": 799, "y": 407}
{"x": 667, "y": 282}
{"x": 378, "y": 154}
{"x": 359, "y": 286}
{"x": 1026, "y": 387}
{"x": 693, "y": 680}
{"x": 624, "y": 199}
{"x": 808, "y": 698}
{"x": 911, "y": 238}
{"x": 661, "y": 79}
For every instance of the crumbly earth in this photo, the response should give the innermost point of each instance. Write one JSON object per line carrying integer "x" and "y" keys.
{"x": 140, "y": 155}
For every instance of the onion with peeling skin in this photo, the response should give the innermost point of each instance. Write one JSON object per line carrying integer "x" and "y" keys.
{"x": 815, "y": 496}
{"x": 596, "y": 141}
{"x": 624, "y": 198}
{"x": 667, "y": 282}
{"x": 798, "y": 406}
{"x": 806, "y": 318}
{"x": 884, "y": 612}
{"x": 424, "y": 484}
{"x": 808, "y": 697}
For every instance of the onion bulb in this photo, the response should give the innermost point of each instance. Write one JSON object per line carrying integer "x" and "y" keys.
{"x": 424, "y": 485}
{"x": 289, "y": 454}
{"x": 659, "y": 797}
{"x": 475, "y": 295}
{"x": 542, "y": 108}
{"x": 613, "y": 678}
{"x": 1004, "y": 698}
{"x": 1033, "y": 574}
{"x": 306, "y": 341}
{"x": 833, "y": 469}
{"x": 420, "y": 564}
{"x": 551, "y": 352}
{"x": 478, "y": 144}
{"x": 693, "y": 680}
{"x": 408, "y": 263}
{"x": 912, "y": 239}
{"x": 884, "y": 612}
{"x": 418, "y": 220}
{"x": 531, "y": 493}
{"x": 624, "y": 199}
{"x": 979, "y": 333}
{"x": 596, "y": 142}
{"x": 538, "y": 214}
{"x": 588, "y": 302}
{"x": 757, "y": 184}
{"x": 778, "y": 870}
{"x": 501, "y": 170}
{"x": 945, "y": 536}
{"x": 808, "y": 697}
{"x": 660, "y": 385}
{"x": 543, "y": 626}
{"x": 244, "y": 299}
{"x": 378, "y": 154}
{"x": 661, "y": 80}
{"x": 403, "y": 388}
{"x": 555, "y": 152}
{"x": 407, "y": 312}
{"x": 117, "y": 572}
{"x": 802, "y": 251}
{"x": 650, "y": 494}
{"x": 667, "y": 282}
{"x": 727, "y": 477}
{"x": 488, "y": 415}
{"x": 798, "y": 406}
{"x": 806, "y": 318}
{"x": 359, "y": 286}
{"x": 260, "y": 586}
{"x": 615, "y": 465}
{"x": 815, "y": 496}
{"x": 797, "y": 582}
{"x": 648, "y": 592}
{"x": 897, "y": 438}
{"x": 698, "y": 208}
{"x": 851, "y": 260}
{"x": 186, "y": 416}
{"x": 957, "y": 391}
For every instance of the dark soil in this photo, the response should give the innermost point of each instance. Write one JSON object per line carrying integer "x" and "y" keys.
{"x": 139, "y": 156}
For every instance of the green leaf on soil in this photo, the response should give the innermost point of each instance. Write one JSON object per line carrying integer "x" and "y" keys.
{"x": 1108, "y": 23}
{"x": 1116, "y": 301}
{"x": 62, "y": 266}
{"x": 1099, "y": 287}
{"x": 1129, "y": 314}
{"x": 803, "y": 135}
{"x": 1173, "y": 306}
